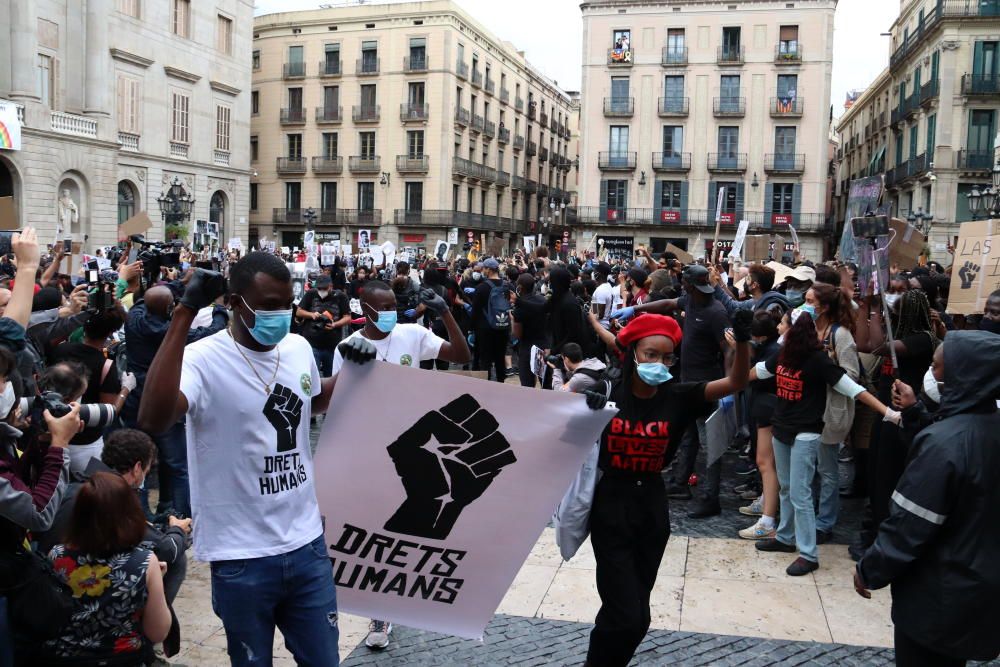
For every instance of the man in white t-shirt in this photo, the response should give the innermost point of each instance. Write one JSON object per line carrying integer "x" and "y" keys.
{"x": 404, "y": 345}
{"x": 248, "y": 394}
{"x": 603, "y": 300}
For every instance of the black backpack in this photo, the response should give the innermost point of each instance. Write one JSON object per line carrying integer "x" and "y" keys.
{"x": 498, "y": 307}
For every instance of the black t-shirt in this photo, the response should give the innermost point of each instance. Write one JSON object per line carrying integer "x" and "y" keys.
{"x": 94, "y": 361}
{"x": 762, "y": 392}
{"x": 335, "y": 305}
{"x": 530, "y": 311}
{"x": 801, "y": 394}
{"x": 912, "y": 365}
{"x": 641, "y": 440}
{"x": 704, "y": 332}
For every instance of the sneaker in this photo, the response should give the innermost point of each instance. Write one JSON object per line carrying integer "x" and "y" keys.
{"x": 705, "y": 508}
{"x": 775, "y": 545}
{"x": 801, "y": 567}
{"x": 740, "y": 488}
{"x": 745, "y": 468}
{"x": 757, "y": 532}
{"x": 677, "y": 491}
{"x": 823, "y": 536}
{"x": 751, "y": 493}
{"x": 378, "y": 634}
{"x": 756, "y": 508}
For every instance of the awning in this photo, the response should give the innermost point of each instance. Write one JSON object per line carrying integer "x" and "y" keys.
{"x": 876, "y": 157}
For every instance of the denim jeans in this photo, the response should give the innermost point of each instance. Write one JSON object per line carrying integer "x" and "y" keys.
{"x": 174, "y": 489}
{"x": 324, "y": 361}
{"x": 293, "y": 591}
{"x": 796, "y": 465}
{"x": 829, "y": 488}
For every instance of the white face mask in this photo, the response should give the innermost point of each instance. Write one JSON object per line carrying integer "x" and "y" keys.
{"x": 323, "y": 293}
{"x": 891, "y": 299}
{"x": 7, "y": 400}
{"x": 931, "y": 387}
{"x": 781, "y": 339}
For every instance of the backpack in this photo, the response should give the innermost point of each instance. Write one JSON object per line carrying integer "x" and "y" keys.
{"x": 498, "y": 307}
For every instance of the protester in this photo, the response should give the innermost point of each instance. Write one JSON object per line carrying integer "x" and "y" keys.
{"x": 326, "y": 312}
{"x": 574, "y": 373}
{"x": 603, "y": 299}
{"x": 530, "y": 326}
{"x": 991, "y": 314}
{"x": 757, "y": 286}
{"x": 491, "y": 320}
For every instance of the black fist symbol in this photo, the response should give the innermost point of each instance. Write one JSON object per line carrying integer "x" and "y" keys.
{"x": 284, "y": 410}
{"x": 446, "y": 461}
{"x": 968, "y": 274}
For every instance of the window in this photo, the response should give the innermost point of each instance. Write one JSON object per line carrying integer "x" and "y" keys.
{"x": 418, "y": 53}
{"x": 46, "y": 81}
{"x": 670, "y": 194}
{"x": 224, "y": 34}
{"x": 897, "y": 139}
{"x": 618, "y": 141}
{"x": 331, "y": 58}
{"x": 254, "y": 103}
{"x": 129, "y": 98}
{"x": 293, "y": 196}
{"x": 255, "y": 59}
{"x": 129, "y": 8}
{"x": 126, "y": 202}
{"x": 621, "y": 40}
{"x": 729, "y": 146}
{"x": 985, "y": 59}
{"x": 454, "y": 197}
{"x": 619, "y": 94}
{"x": 180, "y": 18}
{"x": 784, "y": 141}
{"x": 222, "y": 117}
{"x": 294, "y": 143}
{"x": 461, "y": 53}
{"x": 253, "y": 196}
{"x": 328, "y": 196}
{"x": 788, "y": 40}
{"x": 179, "y": 111}
{"x": 673, "y": 140}
{"x": 931, "y": 131}
{"x": 731, "y": 201}
{"x": 366, "y": 196}
{"x": 787, "y": 86}
{"x": 414, "y": 196}
{"x": 368, "y": 97}
{"x": 675, "y": 44}
{"x": 295, "y": 100}
{"x": 369, "y": 56}
{"x": 731, "y": 43}
{"x": 254, "y": 149}
{"x": 617, "y": 199}
{"x": 331, "y": 99}
{"x": 367, "y": 142}
{"x": 330, "y": 145}
{"x": 673, "y": 94}
{"x": 415, "y": 144}
{"x": 415, "y": 94}
{"x": 729, "y": 93}
{"x": 913, "y": 142}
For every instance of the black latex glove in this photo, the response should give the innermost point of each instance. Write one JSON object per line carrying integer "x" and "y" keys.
{"x": 595, "y": 400}
{"x": 357, "y": 350}
{"x": 742, "y": 322}
{"x": 203, "y": 289}
{"x": 433, "y": 300}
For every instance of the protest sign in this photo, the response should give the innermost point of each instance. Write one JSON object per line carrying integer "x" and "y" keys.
{"x": 412, "y": 517}
{"x": 364, "y": 239}
{"x": 235, "y": 244}
{"x": 741, "y": 235}
{"x": 906, "y": 246}
{"x": 863, "y": 198}
{"x": 376, "y": 253}
{"x": 756, "y": 247}
{"x": 976, "y": 270}
{"x": 683, "y": 256}
{"x": 8, "y": 220}
{"x": 137, "y": 224}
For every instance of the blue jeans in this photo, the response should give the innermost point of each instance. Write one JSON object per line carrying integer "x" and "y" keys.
{"x": 796, "y": 465}
{"x": 829, "y": 488}
{"x": 293, "y": 591}
{"x": 174, "y": 489}
{"x": 324, "y": 360}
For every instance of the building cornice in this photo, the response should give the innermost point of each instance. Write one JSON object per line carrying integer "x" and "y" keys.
{"x": 132, "y": 58}
{"x": 220, "y": 87}
{"x": 176, "y": 73}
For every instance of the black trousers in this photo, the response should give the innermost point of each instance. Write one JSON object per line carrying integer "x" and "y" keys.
{"x": 911, "y": 654}
{"x": 528, "y": 379}
{"x": 492, "y": 346}
{"x": 629, "y": 528}
{"x": 890, "y": 454}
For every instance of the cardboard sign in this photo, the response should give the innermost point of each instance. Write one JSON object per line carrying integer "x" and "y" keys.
{"x": 683, "y": 256}
{"x": 137, "y": 224}
{"x": 906, "y": 246}
{"x": 976, "y": 271}
{"x": 756, "y": 246}
{"x": 8, "y": 219}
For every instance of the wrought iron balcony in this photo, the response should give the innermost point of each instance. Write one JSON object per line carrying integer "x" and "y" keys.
{"x": 415, "y": 64}
{"x": 673, "y": 106}
{"x": 293, "y": 71}
{"x": 413, "y": 164}
{"x": 532, "y": 149}
{"x": 784, "y": 163}
{"x": 328, "y": 165}
{"x": 519, "y": 104}
{"x": 351, "y": 217}
{"x": 619, "y": 107}
{"x": 975, "y": 160}
{"x": 462, "y": 117}
{"x": 617, "y": 160}
{"x": 981, "y": 84}
{"x": 929, "y": 92}
{"x": 331, "y": 67}
{"x": 504, "y": 136}
{"x": 329, "y": 114}
{"x": 543, "y": 155}
{"x": 504, "y": 96}
{"x": 477, "y": 78}
{"x": 366, "y": 113}
{"x": 674, "y": 56}
{"x": 670, "y": 161}
{"x": 787, "y": 107}
{"x": 732, "y": 162}
{"x": 477, "y": 123}
{"x": 518, "y": 143}
{"x": 286, "y": 216}
{"x": 730, "y": 55}
{"x": 364, "y": 164}
{"x": 489, "y": 129}
{"x": 368, "y": 66}
{"x": 462, "y": 71}
{"x": 293, "y": 116}
{"x": 413, "y": 113}
{"x": 788, "y": 54}
{"x": 489, "y": 87}
{"x": 729, "y": 107}
{"x": 291, "y": 165}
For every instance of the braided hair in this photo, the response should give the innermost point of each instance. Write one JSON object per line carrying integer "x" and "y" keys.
{"x": 914, "y": 316}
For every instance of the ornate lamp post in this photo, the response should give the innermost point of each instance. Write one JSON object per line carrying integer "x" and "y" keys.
{"x": 176, "y": 204}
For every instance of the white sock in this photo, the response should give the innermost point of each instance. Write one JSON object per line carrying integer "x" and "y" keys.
{"x": 767, "y": 522}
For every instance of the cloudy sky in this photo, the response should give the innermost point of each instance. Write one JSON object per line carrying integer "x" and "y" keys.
{"x": 551, "y": 39}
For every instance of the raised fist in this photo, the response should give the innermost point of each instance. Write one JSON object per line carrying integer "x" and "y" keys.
{"x": 284, "y": 411}
{"x": 968, "y": 274}
{"x": 446, "y": 461}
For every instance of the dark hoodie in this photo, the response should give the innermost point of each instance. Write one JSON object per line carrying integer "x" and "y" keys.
{"x": 766, "y": 300}
{"x": 940, "y": 546}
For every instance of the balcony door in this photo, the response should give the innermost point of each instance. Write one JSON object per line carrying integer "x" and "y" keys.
{"x": 673, "y": 93}
{"x": 673, "y": 145}
{"x": 981, "y": 132}
{"x": 618, "y": 145}
{"x": 729, "y": 93}
{"x": 293, "y": 196}
{"x": 784, "y": 147}
{"x": 328, "y": 196}
{"x": 729, "y": 147}
{"x": 619, "y": 94}
{"x": 985, "y": 67}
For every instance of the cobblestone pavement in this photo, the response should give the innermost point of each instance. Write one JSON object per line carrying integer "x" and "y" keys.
{"x": 513, "y": 640}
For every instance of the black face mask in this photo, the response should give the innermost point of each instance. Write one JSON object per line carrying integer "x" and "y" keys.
{"x": 993, "y": 326}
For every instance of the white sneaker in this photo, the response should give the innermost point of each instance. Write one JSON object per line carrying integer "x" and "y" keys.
{"x": 378, "y": 634}
{"x": 756, "y": 508}
{"x": 757, "y": 532}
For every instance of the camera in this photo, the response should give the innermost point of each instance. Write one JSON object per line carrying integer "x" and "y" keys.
{"x": 155, "y": 255}
{"x": 556, "y": 360}
{"x": 94, "y": 415}
{"x": 99, "y": 297}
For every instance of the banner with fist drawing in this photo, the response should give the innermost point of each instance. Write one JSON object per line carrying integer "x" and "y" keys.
{"x": 976, "y": 268}
{"x": 432, "y": 507}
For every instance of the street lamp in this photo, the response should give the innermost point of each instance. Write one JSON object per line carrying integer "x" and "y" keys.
{"x": 919, "y": 218}
{"x": 175, "y": 204}
{"x": 310, "y": 216}
{"x": 975, "y": 200}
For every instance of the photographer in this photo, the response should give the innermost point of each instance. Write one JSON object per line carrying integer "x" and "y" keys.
{"x": 573, "y": 373}
{"x": 325, "y": 311}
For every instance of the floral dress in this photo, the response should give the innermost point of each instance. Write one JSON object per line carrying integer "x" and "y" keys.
{"x": 112, "y": 594}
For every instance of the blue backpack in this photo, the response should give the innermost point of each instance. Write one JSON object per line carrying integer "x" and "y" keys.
{"x": 498, "y": 307}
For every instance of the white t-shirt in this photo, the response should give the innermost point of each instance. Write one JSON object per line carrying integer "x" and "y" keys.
{"x": 604, "y": 295}
{"x": 407, "y": 345}
{"x": 252, "y": 489}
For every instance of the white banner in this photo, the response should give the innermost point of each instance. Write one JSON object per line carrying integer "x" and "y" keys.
{"x": 431, "y": 508}
{"x": 741, "y": 235}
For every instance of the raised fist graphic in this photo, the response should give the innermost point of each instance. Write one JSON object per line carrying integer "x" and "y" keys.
{"x": 968, "y": 274}
{"x": 284, "y": 410}
{"x": 446, "y": 461}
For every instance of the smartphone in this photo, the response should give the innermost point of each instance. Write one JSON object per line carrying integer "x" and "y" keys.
{"x": 93, "y": 276}
{"x": 132, "y": 255}
{"x": 67, "y": 245}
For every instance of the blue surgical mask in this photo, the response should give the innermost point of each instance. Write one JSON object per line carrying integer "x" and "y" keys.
{"x": 652, "y": 373}
{"x": 809, "y": 310}
{"x": 795, "y": 297}
{"x": 386, "y": 320}
{"x": 270, "y": 326}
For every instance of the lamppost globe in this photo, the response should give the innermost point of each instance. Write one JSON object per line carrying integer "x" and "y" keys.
{"x": 974, "y": 198}
{"x": 996, "y": 175}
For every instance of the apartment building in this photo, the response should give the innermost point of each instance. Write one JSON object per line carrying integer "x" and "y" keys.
{"x": 118, "y": 100}
{"x": 680, "y": 101}
{"x": 409, "y": 120}
{"x": 929, "y": 121}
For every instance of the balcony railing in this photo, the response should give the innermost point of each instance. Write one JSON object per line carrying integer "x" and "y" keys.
{"x": 489, "y": 129}
{"x": 331, "y": 67}
{"x": 328, "y": 165}
{"x": 531, "y": 111}
{"x": 291, "y": 165}
{"x": 543, "y": 119}
{"x": 490, "y": 86}
{"x": 415, "y": 64}
{"x": 784, "y": 163}
{"x": 286, "y": 216}
{"x": 70, "y": 123}
{"x": 619, "y": 107}
{"x": 294, "y": 70}
{"x": 543, "y": 155}
{"x": 788, "y": 54}
{"x": 351, "y": 217}
{"x": 178, "y": 150}
{"x": 730, "y": 107}
{"x": 620, "y": 57}
{"x": 293, "y": 116}
{"x": 532, "y": 149}
{"x": 730, "y": 55}
{"x": 674, "y": 56}
{"x": 462, "y": 117}
{"x": 477, "y": 78}
{"x": 760, "y": 221}
{"x": 519, "y": 103}
{"x": 367, "y": 66}
{"x": 530, "y": 186}
{"x": 364, "y": 164}
{"x": 787, "y": 107}
{"x": 667, "y": 161}
{"x": 617, "y": 161}
{"x": 129, "y": 142}
{"x": 503, "y": 179}
{"x": 366, "y": 113}
{"x": 673, "y": 106}
{"x": 988, "y": 10}
{"x": 329, "y": 114}
{"x": 413, "y": 164}
{"x": 220, "y": 158}
{"x": 504, "y": 136}
{"x": 929, "y": 91}
{"x": 410, "y": 112}
{"x": 504, "y": 96}
{"x": 727, "y": 161}
{"x": 472, "y": 170}
{"x": 975, "y": 160}
{"x": 443, "y": 218}
{"x": 477, "y": 123}
{"x": 517, "y": 182}
{"x": 981, "y": 84}
{"x": 518, "y": 143}
{"x": 462, "y": 71}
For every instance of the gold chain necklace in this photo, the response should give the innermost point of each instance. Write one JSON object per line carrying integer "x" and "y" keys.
{"x": 388, "y": 344}
{"x": 277, "y": 364}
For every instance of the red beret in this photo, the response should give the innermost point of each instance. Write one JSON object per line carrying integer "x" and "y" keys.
{"x": 646, "y": 325}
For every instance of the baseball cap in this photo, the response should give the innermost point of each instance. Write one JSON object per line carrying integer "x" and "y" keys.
{"x": 491, "y": 264}
{"x": 603, "y": 268}
{"x": 697, "y": 275}
{"x": 323, "y": 282}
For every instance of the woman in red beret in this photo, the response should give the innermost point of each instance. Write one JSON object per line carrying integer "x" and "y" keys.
{"x": 629, "y": 518}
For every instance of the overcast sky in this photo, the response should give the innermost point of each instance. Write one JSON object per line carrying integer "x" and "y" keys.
{"x": 551, "y": 38}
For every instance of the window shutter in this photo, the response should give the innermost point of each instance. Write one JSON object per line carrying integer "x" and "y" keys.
{"x": 739, "y": 201}
{"x": 977, "y": 59}
{"x": 604, "y": 201}
{"x": 768, "y": 206}
{"x": 796, "y": 204}
{"x": 713, "y": 194}
{"x": 658, "y": 201}
{"x": 684, "y": 201}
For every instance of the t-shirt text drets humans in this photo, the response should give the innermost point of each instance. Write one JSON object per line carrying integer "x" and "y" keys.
{"x": 282, "y": 472}
{"x": 404, "y": 568}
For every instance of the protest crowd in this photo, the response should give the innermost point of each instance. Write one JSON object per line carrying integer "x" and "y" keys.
{"x": 164, "y": 369}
